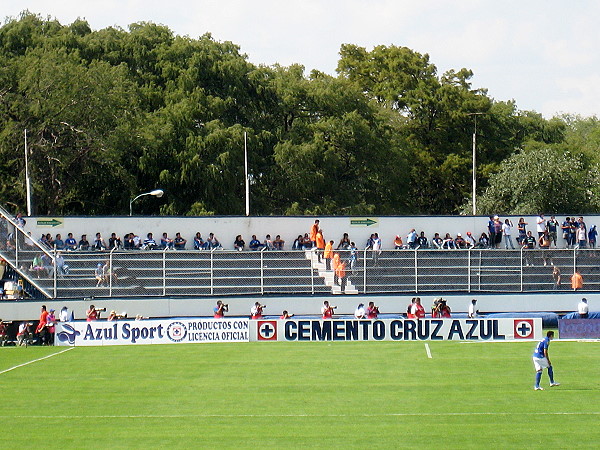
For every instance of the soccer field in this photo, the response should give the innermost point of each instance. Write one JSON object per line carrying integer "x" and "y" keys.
{"x": 276, "y": 395}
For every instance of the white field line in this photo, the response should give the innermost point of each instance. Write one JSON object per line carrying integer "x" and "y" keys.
{"x": 428, "y": 350}
{"x": 35, "y": 360}
{"x": 199, "y": 416}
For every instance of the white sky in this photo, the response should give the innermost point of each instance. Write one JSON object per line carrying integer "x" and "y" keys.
{"x": 543, "y": 54}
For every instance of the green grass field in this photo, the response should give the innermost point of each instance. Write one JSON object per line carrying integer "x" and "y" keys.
{"x": 276, "y": 395}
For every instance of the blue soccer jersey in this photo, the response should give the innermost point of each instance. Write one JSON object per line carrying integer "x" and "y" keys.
{"x": 539, "y": 349}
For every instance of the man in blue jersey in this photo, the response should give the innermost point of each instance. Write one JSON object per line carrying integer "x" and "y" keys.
{"x": 541, "y": 361}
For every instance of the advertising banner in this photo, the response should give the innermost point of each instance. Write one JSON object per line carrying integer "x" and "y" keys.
{"x": 579, "y": 329}
{"x": 396, "y": 330}
{"x": 153, "y": 331}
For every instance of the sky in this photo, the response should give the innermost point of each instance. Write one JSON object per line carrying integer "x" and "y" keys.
{"x": 542, "y": 54}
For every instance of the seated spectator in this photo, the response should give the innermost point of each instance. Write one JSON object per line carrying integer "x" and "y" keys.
{"x": 179, "y": 242}
{"x": 255, "y": 243}
{"x": 213, "y": 242}
{"x": 297, "y": 245}
{"x": 49, "y": 241}
{"x": 128, "y": 241}
{"x": 268, "y": 243}
{"x": 459, "y": 242}
{"x": 59, "y": 243}
{"x": 114, "y": 241}
{"x": 61, "y": 267}
{"x": 344, "y": 243}
{"x": 70, "y": 242}
{"x": 199, "y": 243}
{"x": 398, "y": 244}
{"x": 278, "y": 243}
{"x": 306, "y": 242}
{"x": 239, "y": 243}
{"x": 99, "y": 243}
{"x": 38, "y": 268}
{"x": 286, "y": 315}
{"x": 166, "y": 242}
{"x": 484, "y": 241}
{"x": 470, "y": 240}
{"x": 137, "y": 241}
{"x": 83, "y": 243}
{"x": 422, "y": 241}
{"x": 150, "y": 243}
{"x": 437, "y": 241}
{"x": 43, "y": 241}
{"x": 448, "y": 242}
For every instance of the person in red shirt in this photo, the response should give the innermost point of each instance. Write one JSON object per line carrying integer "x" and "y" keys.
{"x": 372, "y": 311}
{"x": 91, "y": 314}
{"x": 41, "y": 330}
{"x": 257, "y": 310}
{"x": 220, "y": 310}
{"x": 417, "y": 311}
{"x": 327, "y": 310}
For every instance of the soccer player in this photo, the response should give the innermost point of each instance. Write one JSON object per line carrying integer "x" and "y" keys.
{"x": 541, "y": 361}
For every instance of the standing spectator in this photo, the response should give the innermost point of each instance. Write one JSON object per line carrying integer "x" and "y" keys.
{"x": 313, "y": 233}
{"x": 565, "y": 230}
{"x": 411, "y": 239}
{"x": 552, "y": 227}
{"x": 70, "y": 242}
{"x": 540, "y": 225}
{"x": 372, "y": 311}
{"x": 320, "y": 243}
{"x": 50, "y": 323}
{"x": 497, "y": 231}
{"x": 19, "y": 220}
{"x": 507, "y": 232}
{"x": 576, "y": 281}
{"x": 522, "y": 228}
{"x": 335, "y": 262}
{"x": 583, "y": 309}
{"x": 353, "y": 256}
{"x": 573, "y": 232}
{"x": 179, "y": 242}
{"x": 592, "y": 234}
{"x": 492, "y": 231}
{"x": 417, "y": 311}
{"x": 340, "y": 270}
{"x": 376, "y": 248}
{"x": 529, "y": 244}
{"x": 581, "y": 236}
{"x": 278, "y": 243}
{"x": 327, "y": 310}
{"x": 556, "y": 277}
{"x": 544, "y": 245}
{"x": 239, "y": 243}
{"x": 41, "y": 329}
{"x": 99, "y": 275}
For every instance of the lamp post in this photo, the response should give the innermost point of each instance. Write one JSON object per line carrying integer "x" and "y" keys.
{"x": 474, "y": 170}
{"x": 155, "y": 193}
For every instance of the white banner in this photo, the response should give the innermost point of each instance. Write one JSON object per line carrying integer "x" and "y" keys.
{"x": 153, "y": 331}
{"x": 396, "y": 330}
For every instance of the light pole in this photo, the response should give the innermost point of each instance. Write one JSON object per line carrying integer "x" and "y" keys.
{"x": 474, "y": 170}
{"x": 156, "y": 193}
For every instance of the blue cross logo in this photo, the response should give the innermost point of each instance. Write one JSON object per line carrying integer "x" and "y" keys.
{"x": 524, "y": 329}
{"x": 267, "y": 330}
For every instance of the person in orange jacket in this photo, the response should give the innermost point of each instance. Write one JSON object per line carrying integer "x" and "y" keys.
{"x": 335, "y": 262}
{"x": 313, "y": 232}
{"x": 320, "y": 243}
{"x": 341, "y": 274}
{"x": 576, "y": 281}
{"x": 328, "y": 254}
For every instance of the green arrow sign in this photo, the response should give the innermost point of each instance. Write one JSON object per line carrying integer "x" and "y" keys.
{"x": 362, "y": 222}
{"x": 49, "y": 223}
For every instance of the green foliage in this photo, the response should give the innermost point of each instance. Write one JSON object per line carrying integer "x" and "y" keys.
{"x": 113, "y": 113}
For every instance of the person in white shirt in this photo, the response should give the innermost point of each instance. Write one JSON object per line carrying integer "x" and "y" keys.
{"x": 541, "y": 225}
{"x": 63, "y": 316}
{"x": 472, "y": 311}
{"x": 507, "y": 232}
{"x": 582, "y": 308}
{"x": 360, "y": 311}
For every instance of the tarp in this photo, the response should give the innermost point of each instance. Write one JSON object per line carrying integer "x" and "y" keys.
{"x": 549, "y": 319}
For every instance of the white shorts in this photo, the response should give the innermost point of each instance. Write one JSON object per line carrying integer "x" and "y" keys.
{"x": 540, "y": 363}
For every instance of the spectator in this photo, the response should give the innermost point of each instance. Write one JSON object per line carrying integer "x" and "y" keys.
{"x": 114, "y": 241}
{"x": 49, "y": 241}
{"x": 92, "y": 313}
{"x": 150, "y": 243}
{"x": 344, "y": 243}
{"x": 255, "y": 243}
{"x": 50, "y": 326}
{"x": 437, "y": 241}
{"x": 529, "y": 244}
{"x": 566, "y": 225}
{"x": 213, "y": 242}
{"x": 353, "y": 256}
{"x": 64, "y": 315}
{"x": 448, "y": 242}
{"x": 199, "y": 243}
{"x": 411, "y": 239}
{"x": 372, "y": 311}
{"x": 522, "y": 229}
{"x": 319, "y": 243}
{"x": 497, "y": 232}
{"x": 369, "y": 245}
{"x": 166, "y": 243}
{"x": 328, "y": 254}
{"x": 137, "y": 241}
{"x": 340, "y": 271}
{"x": 398, "y": 244}
{"x": 484, "y": 241}
{"x": 573, "y": 232}
{"x": 441, "y": 309}
{"x": 576, "y": 281}
{"x": 41, "y": 329}
{"x": 268, "y": 243}
{"x": 552, "y": 226}
{"x": 306, "y": 242}
{"x": 179, "y": 242}
{"x": 313, "y": 233}
{"x": 581, "y": 236}
{"x": 327, "y": 310}
{"x": 278, "y": 243}
{"x": 473, "y": 312}
{"x": 99, "y": 275}
{"x": 239, "y": 243}
{"x": 556, "y": 277}
{"x": 360, "y": 313}
{"x": 37, "y": 267}
{"x": 61, "y": 267}
{"x": 459, "y": 242}
{"x": 583, "y": 309}
{"x": 376, "y": 248}
{"x": 422, "y": 241}
{"x": 417, "y": 311}
{"x": 507, "y": 232}
{"x": 470, "y": 241}
{"x": 256, "y": 312}
{"x": 540, "y": 225}
{"x": 592, "y": 234}
{"x": 297, "y": 245}
{"x": 19, "y": 220}
{"x": 544, "y": 245}
{"x": 70, "y": 242}
{"x": 99, "y": 243}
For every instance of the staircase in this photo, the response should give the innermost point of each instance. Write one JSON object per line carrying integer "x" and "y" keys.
{"x": 328, "y": 275}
